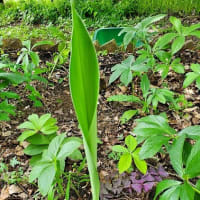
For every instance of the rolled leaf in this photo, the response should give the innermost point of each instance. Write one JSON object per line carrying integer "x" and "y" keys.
{"x": 84, "y": 87}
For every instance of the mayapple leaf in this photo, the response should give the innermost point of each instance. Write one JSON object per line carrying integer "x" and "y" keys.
{"x": 84, "y": 87}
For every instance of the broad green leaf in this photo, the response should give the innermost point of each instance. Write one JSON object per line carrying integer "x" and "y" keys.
{"x": 68, "y": 148}
{"x": 153, "y": 125}
{"x": 164, "y": 40}
{"x": 76, "y": 155}
{"x": 121, "y": 98}
{"x": 193, "y": 162}
{"x": 176, "y": 23}
{"x": 169, "y": 194}
{"x": 187, "y": 193}
{"x": 127, "y": 115}
{"x": 191, "y": 131}
{"x": 178, "y": 44}
{"x": 10, "y": 95}
{"x": 145, "y": 85}
{"x": 152, "y": 145}
{"x": 84, "y": 87}
{"x": 43, "y": 119}
{"x": 197, "y": 195}
{"x": 176, "y": 155}
{"x": 140, "y": 164}
{"x": 198, "y": 82}
{"x": 26, "y": 125}
{"x": 130, "y": 142}
{"x": 25, "y": 135}
{"x": 190, "y": 77}
{"x": 38, "y": 139}
{"x": 35, "y": 172}
{"x": 45, "y": 179}
{"x": 119, "y": 149}
{"x": 35, "y": 58}
{"x": 163, "y": 185}
{"x": 12, "y": 77}
{"x": 195, "y": 68}
{"x": 55, "y": 145}
{"x": 32, "y": 150}
{"x": 34, "y": 119}
{"x": 124, "y": 162}
{"x": 44, "y": 42}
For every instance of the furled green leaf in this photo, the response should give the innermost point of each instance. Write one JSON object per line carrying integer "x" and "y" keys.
{"x": 193, "y": 162}
{"x": 165, "y": 184}
{"x": 124, "y": 162}
{"x": 176, "y": 155}
{"x": 140, "y": 164}
{"x": 152, "y": 145}
{"x": 130, "y": 142}
{"x": 84, "y": 86}
{"x": 145, "y": 85}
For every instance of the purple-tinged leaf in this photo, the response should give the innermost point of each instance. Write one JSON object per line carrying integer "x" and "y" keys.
{"x": 152, "y": 171}
{"x": 158, "y": 178}
{"x": 148, "y": 186}
{"x": 162, "y": 172}
{"x": 148, "y": 178}
{"x": 137, "y": 187}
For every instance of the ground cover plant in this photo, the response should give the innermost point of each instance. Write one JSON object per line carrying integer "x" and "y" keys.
{"x": 80, "y": 124}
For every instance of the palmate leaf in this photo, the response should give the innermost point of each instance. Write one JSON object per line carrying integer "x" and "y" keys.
{"x": 84, "y": 86}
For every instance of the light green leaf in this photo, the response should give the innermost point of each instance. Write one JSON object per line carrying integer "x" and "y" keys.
{"x": 119, "y": 149}
{"x": 127, "y": 115}
{"x": 25, "y": 135}
{"x": 124, "y": 162}
{"x": 84, "y": 87}
{"x": 130, "y": 142}
{"x": 44, "y": 42}
{"x": 68, "y": 148}
{"x": 152, "y": 145}
{"x": 140, "y": 164}
{"x": 26, "y": 125}
{"x": 178, "y": 44}
{"x": 121, "y": 98}
{"x": 32, "y": 150}
{"x": 145, "y": 85}
{"x": 190, "y": 77}
{"x": 35, "y": 58}
{"x": 176, "y": 23}
{"x": 45, "y": 179}
{"x": 191, "y": 131}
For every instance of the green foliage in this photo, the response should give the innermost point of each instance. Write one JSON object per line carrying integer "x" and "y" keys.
{"x": 84, "y": 86}
{"x": 129, "y": 153}
{"x": 193, "y": 76}
{"x": 156, "y": 132}
{"x": 49, "y": 169}
{"x": 139, "y": 34}
{"x": 178, "y": 37}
